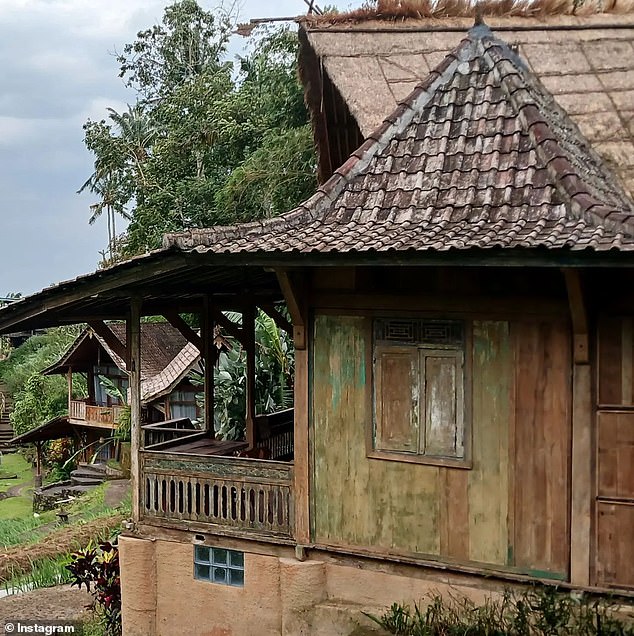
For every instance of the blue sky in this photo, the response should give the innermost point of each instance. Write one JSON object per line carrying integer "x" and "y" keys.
{"x": 58, "y": 70}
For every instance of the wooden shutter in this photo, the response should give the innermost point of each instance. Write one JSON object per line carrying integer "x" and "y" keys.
{"x": 443, "y": 433}
{"x": 397, "y": 389}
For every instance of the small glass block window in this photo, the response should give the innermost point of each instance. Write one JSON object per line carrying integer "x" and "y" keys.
{"x": 219, "y": 565}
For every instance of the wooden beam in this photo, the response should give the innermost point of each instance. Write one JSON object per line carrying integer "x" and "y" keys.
{"x": 295, "y": 302}
{"x": 106, "y": 334}
{"x": 278, "y": 318}
{"x": 209, "y": 356}
{"x": 185, "y": 330}
{"x": 582, "y": 491}
{"x": 248, "y": 327}
{"x": 300, "y": 449}
{"x": 578, "y": 314}
{"x": 133, "y": 337}
{"x": 230, "y": 327}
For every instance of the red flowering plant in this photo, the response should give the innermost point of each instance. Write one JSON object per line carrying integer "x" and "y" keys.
{"x": 97, "y": 567}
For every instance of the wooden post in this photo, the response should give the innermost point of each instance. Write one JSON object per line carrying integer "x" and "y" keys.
{"x": 133, "y": 342}
{"x": 209, "y": 357}
{"x": 248, "y": 327}
{"x": 69, "y": 378}
{"x": 38, "y": 464}
{"x": 581, "y": 478}
{"x": 295, "y": 290}
{"x": 300, "y": 449}
{"x": 90, "y": 381}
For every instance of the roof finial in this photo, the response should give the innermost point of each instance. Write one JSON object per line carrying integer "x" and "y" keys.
{"x": 479, "y": 17}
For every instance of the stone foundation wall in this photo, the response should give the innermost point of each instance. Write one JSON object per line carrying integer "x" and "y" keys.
{"x": 49, "y": 497}
{"x": 280, "y": 597}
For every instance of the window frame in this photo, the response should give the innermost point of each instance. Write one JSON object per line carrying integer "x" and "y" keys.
{"x": 213, "y": 563}
{"x": 424, "y": 350}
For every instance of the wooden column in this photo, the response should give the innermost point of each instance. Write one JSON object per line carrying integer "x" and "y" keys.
{"x": 209, "y": 357}
{"x": 38, "y": 464}
{"x": 248, "y": 328}
{"x": 582, "y": 479}
{"x": 295, "y": 289}
{"x": 133, "y": 342}
{"x": 69, "y": 378}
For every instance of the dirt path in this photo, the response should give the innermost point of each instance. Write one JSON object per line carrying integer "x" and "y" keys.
{"x": 49, "y": 603}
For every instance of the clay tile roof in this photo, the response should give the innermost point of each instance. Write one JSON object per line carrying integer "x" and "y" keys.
{"x": 479, "y": 155}
{"x": 166, "y": 356}
{"x": 585, "y": 61}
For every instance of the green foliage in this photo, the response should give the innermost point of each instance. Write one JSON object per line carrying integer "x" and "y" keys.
{"x": 45, "y": 572}
{"x": 97, "y": 568}
{"x": 125, "y": 416}
{"x": 205, "y": 143}
{"x": 274, "y": 362}
{"x": 38, "y": 398}
{"x": 537, "y": 612}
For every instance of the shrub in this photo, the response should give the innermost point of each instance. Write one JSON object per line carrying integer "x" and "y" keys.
{"x": 97, "y": 567}
{"x": 537, "y": 612}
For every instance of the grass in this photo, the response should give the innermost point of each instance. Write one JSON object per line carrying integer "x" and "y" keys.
{"x": 94, "y": 627}
{"x": 15, "y": 464}
{"x": 44, "y": 573}
{"x": 16, "y": 507}
{"x": 28, "y": 528}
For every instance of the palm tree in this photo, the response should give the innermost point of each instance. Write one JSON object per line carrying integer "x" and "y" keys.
{"x": 118, "y": 163}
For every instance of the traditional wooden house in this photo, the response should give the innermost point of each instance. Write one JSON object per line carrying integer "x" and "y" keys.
{"x": 459, "y": 293}
{"x": 167, "y": 393}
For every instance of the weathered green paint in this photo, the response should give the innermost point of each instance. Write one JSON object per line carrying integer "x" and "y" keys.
{"x": 356, "y": 500}
{"x": 492, "y": 386}
{"x": 435, "y": 511}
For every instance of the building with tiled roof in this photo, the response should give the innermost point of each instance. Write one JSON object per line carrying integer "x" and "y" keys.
{"x": 459, "y": 289}
{"x": 166, "y": 391}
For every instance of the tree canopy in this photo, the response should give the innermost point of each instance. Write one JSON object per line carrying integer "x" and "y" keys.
{"x": 207, "y": 141}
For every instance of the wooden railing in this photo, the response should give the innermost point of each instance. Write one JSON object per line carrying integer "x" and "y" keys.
{"x": 107, "y": 416}
{"x": 166, "y": 431}
{"x": 275, "y": 433}
{"x": 233, "y": 495}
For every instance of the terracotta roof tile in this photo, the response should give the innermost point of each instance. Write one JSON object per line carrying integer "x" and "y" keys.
{"x": 480, "y": 155}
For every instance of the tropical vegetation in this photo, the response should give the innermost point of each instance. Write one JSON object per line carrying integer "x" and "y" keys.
{"x": 206, "y": 141}
{"x": 38, "y": 398}
{"x": 540, "y": 611}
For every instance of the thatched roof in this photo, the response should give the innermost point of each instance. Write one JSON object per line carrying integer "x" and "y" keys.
{"x": 586, "y": 62}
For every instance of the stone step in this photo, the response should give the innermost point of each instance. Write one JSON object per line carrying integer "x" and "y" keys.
{"x": 99, "y": 469}
{"x": 88, "y": 474}
{"x": 340, "y": 617}
{"x": 85, "y": 481}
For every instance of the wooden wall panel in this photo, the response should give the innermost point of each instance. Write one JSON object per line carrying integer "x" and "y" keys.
{"x": 542, "y": 446}
{"x": 616, "y": 455}
{"x": 488, "y": 494}
{"x": 616, "y": 361}
{"x": 615, "y": 537}
{"x": 398, "y": 506}
{"x": 384, "y": 505}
